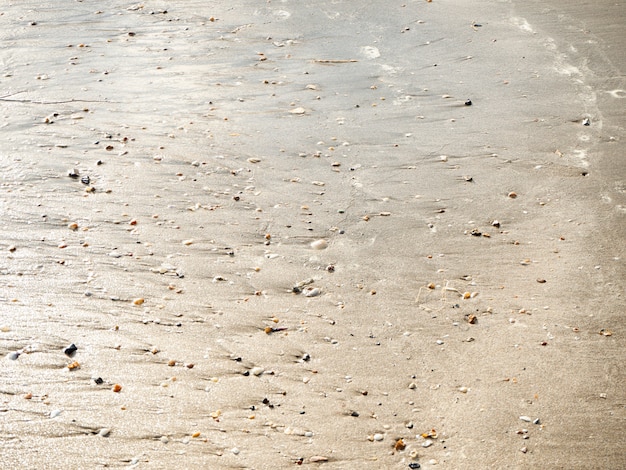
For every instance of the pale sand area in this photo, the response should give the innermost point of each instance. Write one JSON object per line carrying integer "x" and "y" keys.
{"x": 220, "y": 140}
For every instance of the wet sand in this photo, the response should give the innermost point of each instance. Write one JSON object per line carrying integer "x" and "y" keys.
{"x": 301, "y": 233}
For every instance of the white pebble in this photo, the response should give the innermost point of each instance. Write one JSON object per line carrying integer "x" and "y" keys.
{"x": 235, "y": 451}
{"x": 104, "y": 432}
{"x": 257, "y": 371}
{"x": 314, "y": 292}
{"x": 525, "y": 418}
{"x": 427, "y": 443}
{"x": 378, "y": 437}
{"x": 319, "y": 244}
{"x": 55, "y": 413}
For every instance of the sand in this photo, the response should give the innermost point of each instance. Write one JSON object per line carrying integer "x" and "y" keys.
{"x": 311, "y": 233}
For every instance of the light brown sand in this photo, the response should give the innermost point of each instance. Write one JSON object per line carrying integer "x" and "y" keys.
{"x": 220, "y": 141}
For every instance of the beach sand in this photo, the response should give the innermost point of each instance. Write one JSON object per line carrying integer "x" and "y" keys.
{"x": 380, "y": 234}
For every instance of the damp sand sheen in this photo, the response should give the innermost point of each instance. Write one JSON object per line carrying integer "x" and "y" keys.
{"x": 277, "y": 234}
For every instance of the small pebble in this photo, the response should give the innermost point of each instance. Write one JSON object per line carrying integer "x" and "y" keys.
{"x": 70, "y": 351}
{"x": 427, "y": 443}
{"x": 13, "y": 355}
{"x": 104, "y": 432}
{"x": 235, "y": 451}
{"x": 117, "y": 388}
{"x": 314, "y": 292}
{"x": 378, "y": 437}
{"x": 525, "y": 418}
{"x": 55, "y": 413}
{"x": 319, "y": 244}
{"x": 257, "y": 371}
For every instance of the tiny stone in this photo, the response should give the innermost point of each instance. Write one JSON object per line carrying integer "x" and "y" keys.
{"x": 235, "y": 451}
{"x": 319, "y": 244}
{"x": 525, "y": 418}
{"x": 427, "y": 443}
{"x": 70, "y": 351}
{"x": 104, "y": 432}
{"x": 13, "y": 355}
{"x": 378, "y": 437}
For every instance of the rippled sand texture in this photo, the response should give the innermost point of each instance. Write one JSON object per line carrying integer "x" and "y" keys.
{"x": 281, "y": 233}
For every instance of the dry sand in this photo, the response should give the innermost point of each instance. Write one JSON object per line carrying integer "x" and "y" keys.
{"x": 220, "y": 140}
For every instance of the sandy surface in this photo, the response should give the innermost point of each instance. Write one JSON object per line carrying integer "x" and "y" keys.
{"x": 298, "y": 245}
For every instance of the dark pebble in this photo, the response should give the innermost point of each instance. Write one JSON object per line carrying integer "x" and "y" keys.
{"x": 468, "y": 103}
{"x": 98, "y": 381}
{"x": 70, "y": 350}
{"x": 85, "y": 180}
{"x": 414, "y": 465}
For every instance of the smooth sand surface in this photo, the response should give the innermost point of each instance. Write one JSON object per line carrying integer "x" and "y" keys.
{"x": 295, "y": 242}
